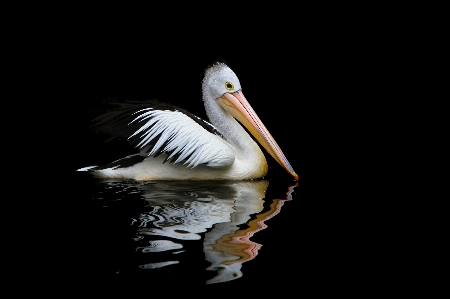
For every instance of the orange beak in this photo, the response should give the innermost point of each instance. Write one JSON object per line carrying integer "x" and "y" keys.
{"x": 238, "y": 107}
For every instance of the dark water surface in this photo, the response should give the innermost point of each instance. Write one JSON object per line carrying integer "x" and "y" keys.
{"x": 192, "y": 233}
{"x": 255, "y": 234}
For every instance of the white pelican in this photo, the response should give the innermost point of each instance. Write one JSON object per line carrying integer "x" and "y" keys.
{"x": 194, "y": 148}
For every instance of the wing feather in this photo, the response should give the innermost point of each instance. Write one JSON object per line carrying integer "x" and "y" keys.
{"x": 156, "y": 128}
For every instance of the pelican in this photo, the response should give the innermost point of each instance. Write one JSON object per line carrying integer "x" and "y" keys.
{"x": 174, "y": 144}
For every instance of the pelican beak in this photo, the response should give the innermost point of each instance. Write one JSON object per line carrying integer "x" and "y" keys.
{"x": 237, "y": 106}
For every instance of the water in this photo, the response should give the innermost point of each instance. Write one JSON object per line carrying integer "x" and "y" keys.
{"x": 184, "y": 233}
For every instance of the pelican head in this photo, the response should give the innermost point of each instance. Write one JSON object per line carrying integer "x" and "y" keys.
{"x": 221, "y": 85}
{"x": 220, "y": 79}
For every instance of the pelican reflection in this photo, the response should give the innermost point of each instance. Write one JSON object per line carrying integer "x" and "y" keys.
{"x": 217, "y": 211}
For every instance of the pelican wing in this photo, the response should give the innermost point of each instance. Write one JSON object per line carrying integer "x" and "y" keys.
{"x": 157, "y": 128}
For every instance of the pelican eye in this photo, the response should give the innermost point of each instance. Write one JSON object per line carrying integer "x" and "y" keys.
{"x": 229, "y": 86}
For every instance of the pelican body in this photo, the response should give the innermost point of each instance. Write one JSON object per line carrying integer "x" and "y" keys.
{"x": 174, "y": 144}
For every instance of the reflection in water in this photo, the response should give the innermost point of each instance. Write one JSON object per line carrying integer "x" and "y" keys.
{"x": 157, "y": 265}
{"x": 225, "y": 214}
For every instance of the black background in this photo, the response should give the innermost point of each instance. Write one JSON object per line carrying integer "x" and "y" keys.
{"x": 305, "y": 84}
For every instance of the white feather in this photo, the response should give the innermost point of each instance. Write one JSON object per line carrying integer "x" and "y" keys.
{"x": 184, "y": 136}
